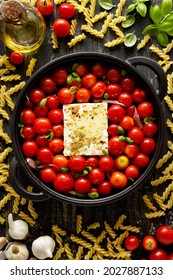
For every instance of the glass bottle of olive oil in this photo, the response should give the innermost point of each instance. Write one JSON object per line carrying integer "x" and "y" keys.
{"x": 22, "y": 27}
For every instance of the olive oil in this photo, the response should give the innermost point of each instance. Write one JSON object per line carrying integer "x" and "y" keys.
{"x": 22, "y": 27}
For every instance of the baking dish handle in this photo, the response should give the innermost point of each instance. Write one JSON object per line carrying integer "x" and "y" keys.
{"x": 157, "y": 69}
{"x": 19, "y": 185}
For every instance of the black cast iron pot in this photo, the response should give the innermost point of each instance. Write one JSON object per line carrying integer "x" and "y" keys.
{"x": 22, "y": 175}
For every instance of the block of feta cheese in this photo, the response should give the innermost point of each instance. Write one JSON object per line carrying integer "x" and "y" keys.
{"x": 85, "y": 129}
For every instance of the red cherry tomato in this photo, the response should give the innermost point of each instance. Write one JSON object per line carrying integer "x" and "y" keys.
{"x": 99, "y": 69}
{"x": 30, "y": 148}
{"x": 115, "y": 113}
{"x": 158, "y": 254}
{"x": 81, "y": 69}
{"x": 47, "y": 175}
{"x": 132, "y": 172}
{"x": 63, "y": 182}
{"x": 41, "y": 111}
{"x": 138, "y": 95}
{"x": 28, "y": 117}
{"x": 83, "y": 95}
{"x": 36, "y": 95}
{"x": 58, "y": 130}
{"x": 114, "y": 75}
{"x": 44, "y": 155}
{"x": 55, "y": 116}
{"x": 149, "y": 243}
{"x": 106, "y": 163}
{"x": 131, "y": 150}
{"x": 42, "y": 141}
{"x": 105, "y": 188}
{"x": 61, "y": 27}
{"x": 114, "y": 129}
{"x": 118, "y": 180}
{"x": 42, "y": 125}
{"x": 127, "y": 122}
{"x": 64, "y": 96}
{"x": 16, "y": 58}
{"x": 128, "y": 83}
{"x": 92, "y": 161}
{"x": 141, "y": 160}
{"x": 164, "y": 235}
{"x": 66, "y": 10}
{"x": 147, "y": 145}
{"x": 149, "y": 129}
{"x": 27, "y": 132}
{"x": 77, "y": 163}
{"x": 121, "y": 162}
{"x": 131, "y": 243}
{"x": 98, "y": 89}
{"x": 52, "y": 102}
{"x": 145, "y": 109}
{"x": 89, "y": 80}
{"x": 60, "y": 76}
{"x": 82, "y": 185}
{"x": 136, "y": 135}
{"x": 125, "y": 98}
{"x": 56, "y": 145}
{"x": 170, "y": 256}
{"x": 59, "y": 162}
{"x": 45, "y": 7}
{"x": 116, "y": 147}
{"x": 113, "y": 90}
{"x": 96, "y": 176}
{"x": 48, "y": 84}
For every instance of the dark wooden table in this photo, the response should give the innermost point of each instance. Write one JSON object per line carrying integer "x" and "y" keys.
{"x": 55, "y": 212}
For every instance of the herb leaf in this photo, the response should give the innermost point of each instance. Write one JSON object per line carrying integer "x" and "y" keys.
{"x": 166, "y": 7}
{"x": 106, "y": 4}
{"x": 141, "y": 9}
{"x": 150, "y": 29}
{"x": 155, "y": 13}
{"x": 129, "y": 21}
{"x": 162, "y": 38}
{"x": 131, "y": 7}
{"x": 130, "y": 40}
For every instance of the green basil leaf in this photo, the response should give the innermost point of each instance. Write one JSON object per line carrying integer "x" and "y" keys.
{"x": 162, "y": 38}
{"x": 150, "y": 29}
{"x": 129, "y": 21}
{"x": 170, "y": 32}
{"x": 106, "y": 4}
{"x": 166, "y": 7}
{"x": 141, "y": 9}
{"x": 130, "y": 40}
{"x": 155, "y": 13}
{"x": 131, "y": 8}
{"x": 166, "y": 23}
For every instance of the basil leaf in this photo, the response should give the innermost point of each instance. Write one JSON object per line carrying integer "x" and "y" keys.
{"x": 155, "y": 13}
{"x": 162, "y": 38}
{"x": 166, "y": 23}
{"x": 130, "y": 8}
{"x": 106, "y": 4}
{"x": 150, "y": 29}
{"x": 170, "y": 32}
{"x": 166, "y": 7}
{"x": 130, "y": 40}
{"x": 141, "y": 9}
{"x": 129, "y": 21}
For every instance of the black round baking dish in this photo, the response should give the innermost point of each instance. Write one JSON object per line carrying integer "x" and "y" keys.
{"x": 21, "y": 173}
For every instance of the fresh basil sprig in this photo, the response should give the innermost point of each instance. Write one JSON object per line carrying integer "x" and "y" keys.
{"x": 162, "y": 17}
{"x": 106, "y": 4}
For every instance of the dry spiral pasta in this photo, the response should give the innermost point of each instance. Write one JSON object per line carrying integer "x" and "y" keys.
{"x": 27, "y": 218}
{"x": 170, "y": 202}
{"x": 54, "y": 41}
{"x": 120, "y": 221}
{"x": 159, "y": 52}
{"x": 58, "y": 254}
{"x": 120, "y": 238}
{"x": 168, "y": 169}
{"x": 10, "y": 78}
{"x": 73, "y": 27}
{"x": 5, "y": 200}
{"x": 159, "y": 201}
{"x": 168, "y": 47}
{"x": 114, "y": 43}
{"x": 170, "y": 125}
{"x": 92, "y": 31}
{"x": 4, "y": 113}
{"x": 68, "y": 251}
{"x": 31, "y": 66}
{"x": 143, "y": 42}
{"x": 109, "y": 230}
{"x": 79, "y": 253}
{"x": 93, "y": 226}
{"x": 80, "y": 241}
{"x": 57, "y": 229}
{"x": 155, "y": 214}
{"x": 170, "y": 83}
{"x": 2, "y": 220}
{"x": 99, "y": 16}
{"x": 89, "y": 236}
{"x": 76, "y": 40}
{"x": 167, "y": 191}
{"x": 92, "y": 8}
{"x": 106, "y": 23}
{"x": 161, "y": 180}
{"x": 78, "y": 223}
{"x": 32, "y": 211}
{"x": 148, "y": 203}
{"x": 130, "y": 228}
{"x": 164, "y": 159}
{"x": 120, "y": 8}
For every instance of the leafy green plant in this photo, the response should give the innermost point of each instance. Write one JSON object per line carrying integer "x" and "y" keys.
{"x": 106, "y": 4}
{"x": 162, "y": 26}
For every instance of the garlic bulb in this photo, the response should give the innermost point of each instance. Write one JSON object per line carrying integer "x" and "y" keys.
{"x": 17, "y": 229}
{"x": 43, "y": 247}
{"x": 3, "y": 242}
{"x": 16, "y": 251}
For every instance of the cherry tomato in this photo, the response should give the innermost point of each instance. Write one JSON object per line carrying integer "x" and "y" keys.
{"x": 81, "y": 69}
{"x": 113, "y": 90}
{"x": 45, "y": 7}
{"x": 99, "y": 69}
{"x": 52, "y": 102}
{"x": 16, "y": 58}
{"x": 105, "y": 188}
{"x": 131, "y": 243}
{"x": 122, "y": 162}
{"x": 141, "y": 160}
{"x": 44, "y": 155}
{"x": 77, "y": 163}
{"x": 55, "y": 116}
{"x": 138, "y": 95}
{"x": 158, "y": 254}
{"x": 114, "y": 129}
{"x": 149, "y": 129}
{"x": 149, "y": 243}
{"x": 92, "y": 161}
{"x": 106, "y": 163}
{"x": 41, "y": 111}
{"x": 164, "y": 235}
{"x": 28, "y": 117}
{"x": 42, "y": 125}
{"x": 128, "y": 83}
{"x": 42, "y": 141}
{"x": 131, "y": 150}
{"x": 48, "y": 84}
{"x": 82, "y": 185}
{"x": 64, "y": 96}
{"x": 96, "y": 176}
{"x": 59, "y": 162}
{"x": 66, "y": 10}
{"x": 136, "y": 135}
{"x": 27, "y": 132}
{"x": 61, "y": 27}
{"x": 132, "y": 172}
{"x": 170, "y": 256}
{"x": 29, "y": 148}
{"x": 118, "y": 180}
{"x": 147, "y": 145}
{"x": 130, "y": 111}
{"x": 60, "y": 76}
{"x": 47, "y": 175}
{"x": 58, "y": 130}
{"x": 116, "y": 147}
{"x": 83, "y": 95}
{"x": 36, "y": 95}
{"x": 114, "y": 75}
{"x": 127, "y": 122}
{"x": 98, "y": 89}
{"x": 115, "y": 113}
{"x": 89, "y": 80}
{"x": 63, "y": 182}
{"x": 56, "y": 145}
{"x": 145, "y": 109}
{"x": 125, "y": 98}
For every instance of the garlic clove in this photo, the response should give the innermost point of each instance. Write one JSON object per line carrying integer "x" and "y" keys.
{"x": 16, "y": 251}
{"x": 3, "y": 242}
{"x": 43, "y": 247}
{"x": 18, "y": 229}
